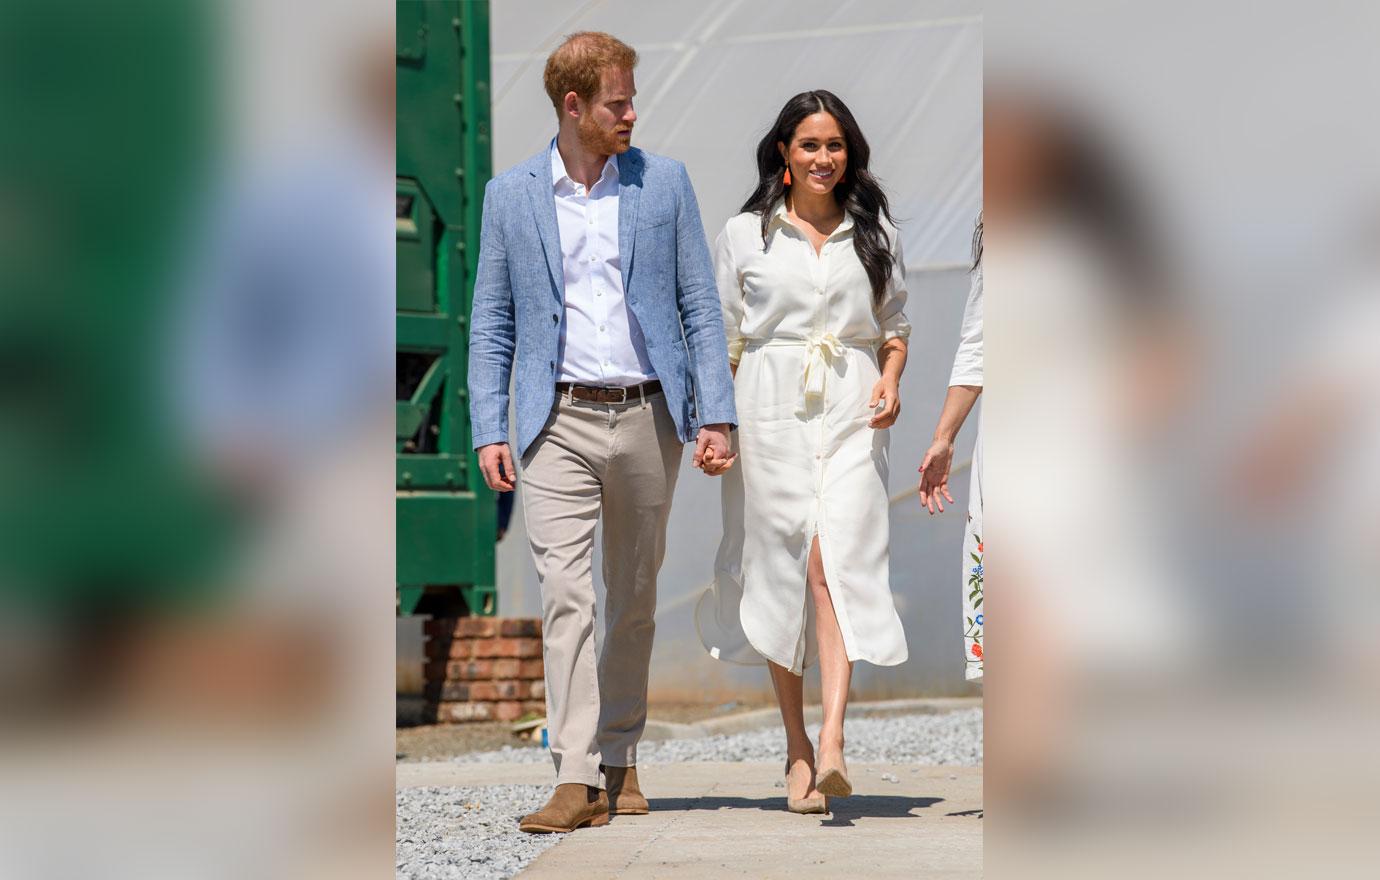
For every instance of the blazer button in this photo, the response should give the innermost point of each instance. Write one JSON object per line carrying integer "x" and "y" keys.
{"x": 556, "y": 318}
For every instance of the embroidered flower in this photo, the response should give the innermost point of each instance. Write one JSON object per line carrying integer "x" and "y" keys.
{"x": 977, "y": 569}
{"x": 977, "y": 650}
{"x": 978, "y": 620}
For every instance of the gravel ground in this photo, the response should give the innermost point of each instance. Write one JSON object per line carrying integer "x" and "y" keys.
{"x": 439, "y": 742}
{"x": 949, "y": 738}
{"x": 471, "y": 831}
{"x": 468, "y": 831}
{"x": 946, "y": 738}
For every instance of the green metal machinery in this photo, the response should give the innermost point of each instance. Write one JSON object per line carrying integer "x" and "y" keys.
{"x": 109, "y": 128}
{"x": 446, "y": 515}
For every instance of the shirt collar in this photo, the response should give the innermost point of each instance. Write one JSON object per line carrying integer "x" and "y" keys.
{"x": 563, "y": 182}
{"x": 778, "y": 215}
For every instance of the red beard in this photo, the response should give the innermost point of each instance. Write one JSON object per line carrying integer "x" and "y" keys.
{"x": 600, "y": 141}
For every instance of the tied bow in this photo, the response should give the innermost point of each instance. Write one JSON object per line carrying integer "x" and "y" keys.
{"x": 820, "y": 352}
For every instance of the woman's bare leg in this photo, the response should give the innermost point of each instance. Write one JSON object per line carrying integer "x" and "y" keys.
{"x": 835, "y": 672}
{"x": 790, "y": 697}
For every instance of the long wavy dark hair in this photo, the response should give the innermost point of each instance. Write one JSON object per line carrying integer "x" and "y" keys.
{"x": 977, "y": 245}
{"x": 858, "y": 192}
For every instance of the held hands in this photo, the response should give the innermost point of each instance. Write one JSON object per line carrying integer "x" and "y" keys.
{"x": 934, "y": 475}
{"x": 887, "y": 392}
{"x": 711, "y": 451}
{"x": 496, "y": 464}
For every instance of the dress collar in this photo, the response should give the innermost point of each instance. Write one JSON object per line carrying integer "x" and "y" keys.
{"x": 778, "y": 215}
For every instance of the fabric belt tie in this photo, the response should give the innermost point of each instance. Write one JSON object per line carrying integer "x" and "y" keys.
{"x": 820, "y": 353}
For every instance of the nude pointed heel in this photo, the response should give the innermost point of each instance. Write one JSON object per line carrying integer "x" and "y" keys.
{"x": 805, "y": 805}
{"x": 833, "y": 781}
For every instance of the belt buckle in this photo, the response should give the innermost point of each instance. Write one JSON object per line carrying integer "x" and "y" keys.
{"x": 625, "y": 395}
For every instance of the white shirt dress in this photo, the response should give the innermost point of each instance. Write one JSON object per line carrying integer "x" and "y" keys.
{"x": 804, "y": 332}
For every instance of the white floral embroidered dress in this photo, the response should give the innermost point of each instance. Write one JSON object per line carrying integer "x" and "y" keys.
{"x": 804, "y": 332}
{"x": 968, "y": 363}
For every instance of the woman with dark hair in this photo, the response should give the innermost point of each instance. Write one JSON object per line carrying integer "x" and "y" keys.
{"x": 812, "y": 284}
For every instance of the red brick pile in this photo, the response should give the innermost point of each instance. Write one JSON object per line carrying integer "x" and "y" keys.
{"x": 483, "y": 669}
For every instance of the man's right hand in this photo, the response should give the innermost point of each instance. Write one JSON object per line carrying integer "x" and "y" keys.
{"x": 496, "y": 464}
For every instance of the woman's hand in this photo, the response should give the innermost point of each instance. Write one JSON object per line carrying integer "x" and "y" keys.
{"x": 934, "y": 475}
{"x": 717, "y": 467}
{"x": 712, "y": 453}
{"x": 888, "y": 393}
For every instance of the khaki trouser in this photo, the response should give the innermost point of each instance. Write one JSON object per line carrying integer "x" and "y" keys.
{"x": 621, "y": 460}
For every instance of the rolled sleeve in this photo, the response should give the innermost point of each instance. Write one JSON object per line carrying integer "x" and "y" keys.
{"x": 730, "y": 295}
{"x": 891, "y": 315}
{"x": 968, "y": 360}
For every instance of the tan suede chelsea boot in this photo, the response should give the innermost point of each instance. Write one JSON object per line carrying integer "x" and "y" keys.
{"x": 625, "y": 795}
{"x": 572, "y": 805}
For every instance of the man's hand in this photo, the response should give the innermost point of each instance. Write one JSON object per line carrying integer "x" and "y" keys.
{"x": 711, "y": 450}
{"x": 496, "y": 464}
{"x": 934, "y": 475}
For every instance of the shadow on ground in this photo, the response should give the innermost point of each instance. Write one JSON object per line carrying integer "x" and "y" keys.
{"x": 842, "y": 811}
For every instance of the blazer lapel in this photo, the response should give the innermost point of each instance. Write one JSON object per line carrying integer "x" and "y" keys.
{"x": 629, "y": 193}
{"x": 540, "y": 191}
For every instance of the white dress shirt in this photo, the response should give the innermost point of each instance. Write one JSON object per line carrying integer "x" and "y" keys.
{"x": 601, "y": 343}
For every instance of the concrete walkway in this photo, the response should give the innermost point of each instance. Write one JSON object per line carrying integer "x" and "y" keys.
{"x": 728, "y": 820}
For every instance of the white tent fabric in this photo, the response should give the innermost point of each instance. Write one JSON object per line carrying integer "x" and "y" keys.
{"x": 711, "y": 78}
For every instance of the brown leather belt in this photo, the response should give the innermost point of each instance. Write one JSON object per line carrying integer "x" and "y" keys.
{"x": 598, "y": 394}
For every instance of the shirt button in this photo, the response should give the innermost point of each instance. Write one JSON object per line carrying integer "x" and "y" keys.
{"x": 601, "y": 328}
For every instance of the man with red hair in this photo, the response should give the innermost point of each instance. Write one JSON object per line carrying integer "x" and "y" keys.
{"x": 595, "y": 298}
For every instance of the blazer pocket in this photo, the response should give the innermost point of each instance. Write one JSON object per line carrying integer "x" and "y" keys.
{"x": 652, "y": 221}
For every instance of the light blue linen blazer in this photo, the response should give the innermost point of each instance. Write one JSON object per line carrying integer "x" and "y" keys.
{"x": 519, "y": 295}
